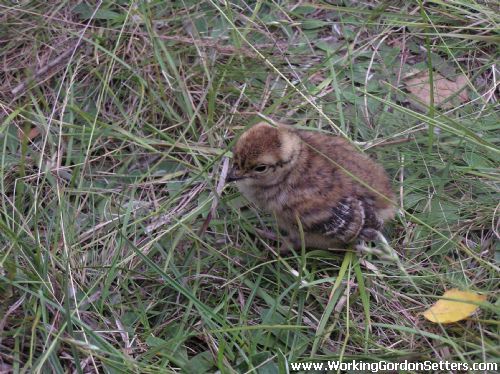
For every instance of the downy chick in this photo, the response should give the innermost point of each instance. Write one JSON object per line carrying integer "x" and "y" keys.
{"x": 297, "y": 175}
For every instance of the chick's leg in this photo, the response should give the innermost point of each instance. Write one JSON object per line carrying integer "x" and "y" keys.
{"x": 286, "y": 242}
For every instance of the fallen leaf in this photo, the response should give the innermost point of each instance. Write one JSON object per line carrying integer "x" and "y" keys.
{"x": 419, "y": 86}
{"x": 33, "y": 133}
{"x": 449, "y": 311}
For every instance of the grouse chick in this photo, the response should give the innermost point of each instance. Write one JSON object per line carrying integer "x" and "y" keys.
{"x": 301, "y": 176}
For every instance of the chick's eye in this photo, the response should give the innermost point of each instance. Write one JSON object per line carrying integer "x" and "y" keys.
{"x": 260, "y": 168}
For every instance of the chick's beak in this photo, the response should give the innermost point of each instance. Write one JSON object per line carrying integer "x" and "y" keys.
{"x": 233, "y": 175}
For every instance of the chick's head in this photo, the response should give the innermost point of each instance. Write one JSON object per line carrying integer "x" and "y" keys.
{"x": 263, "y": 154}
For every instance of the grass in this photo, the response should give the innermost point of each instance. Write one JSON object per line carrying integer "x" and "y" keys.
{"x": 123, "y": 251}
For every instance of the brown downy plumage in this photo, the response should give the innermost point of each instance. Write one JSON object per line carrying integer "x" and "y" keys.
{"x": 298, "y": 175}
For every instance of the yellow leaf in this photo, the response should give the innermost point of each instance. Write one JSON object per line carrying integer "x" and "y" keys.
{"x": 449, "y": 311}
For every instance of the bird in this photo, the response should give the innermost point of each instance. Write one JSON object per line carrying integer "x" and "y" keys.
{"x": 312, "y": 182}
